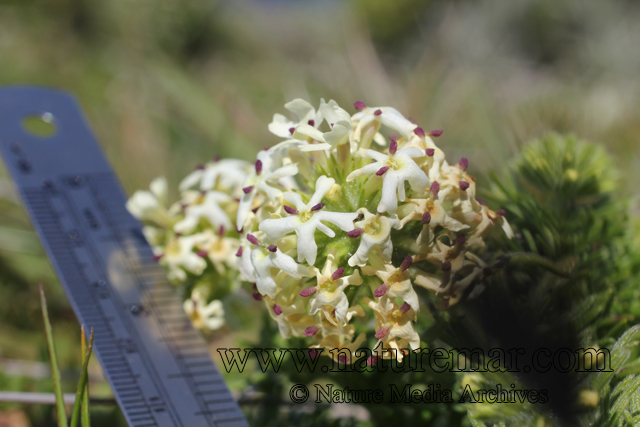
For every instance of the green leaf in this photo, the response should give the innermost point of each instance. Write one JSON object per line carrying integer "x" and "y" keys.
{"x": 85, "y": 420}
{"x": 82, "y": 384}
{"x": 55, "y": 371}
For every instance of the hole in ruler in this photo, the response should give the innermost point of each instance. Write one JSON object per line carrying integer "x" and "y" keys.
{"x": 40, "y": 125}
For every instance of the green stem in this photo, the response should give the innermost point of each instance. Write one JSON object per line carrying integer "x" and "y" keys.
{"x": 55, "y": 371}
{"x": 85, "y": 419}
{"x": 82, "y": 384}
{"x": 526, "y": 259}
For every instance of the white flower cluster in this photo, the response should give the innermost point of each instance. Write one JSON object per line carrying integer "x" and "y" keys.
{"x": 344, "y": 217}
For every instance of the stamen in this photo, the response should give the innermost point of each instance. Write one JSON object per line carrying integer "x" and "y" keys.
{"x": 253, "y": 239}
{"x": 359, "y": 105}
{"x": 382, "y": 170}
{"x": 258, "y": 167}
{"x": 372, "y": 360}
{"x": 338, "y": 273}
{"x": 382, "y": 332}
{"x": 405, "y": 307}
{"x": 290, "y": 210}
{"x": 435, "y": 188}
{"x": 463, "y": 163}
{"x": 311, "y": 331}
{"x": 217, "y": 158}
{"x": 277, "y": 310}
{"x": 426, "y": 218}
{"x": 311, "y": 122}
{"x": 343, "y": 358}
{"x": 317, "y": 207}
{"x": 292, "y": 130}
{"x": 377, "y": 112}
{"x": 355, "y": 233}
{"x": 393, "y": 147}
{"x": 314, "y": 353}
{"x": 247, "y": 190}
{"x": 200, "y": 167}
{"x": 308, "y": 292}
{"x": 436, "y": 133}
{"x": 272, "y": 248}
{"x": 202, "y": 254}
{"x": 419, "y": 131}
{"x": 464, "y": 185}
{"x": 430, "y": 151}
{"x": 157, "y": 258}
{"x": 256, "y": 296}
{"x": 482, "y": 202}
{"x": 446, "y": 266}
{"x": 239, "y": 253}
{"x": 254, "y": 286}
{"x": 501, "y": 212}
{"x": 460, "y": 240}
{"x": 221, "y": 231}
{"x": 406, "y": 263}
{"x": 381, "y": 290}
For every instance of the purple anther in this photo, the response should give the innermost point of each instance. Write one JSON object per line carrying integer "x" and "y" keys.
{"x": 436, "y": 133}
{"x": 482, "y": 202}
{"x": 317, "y": 207}
{"x": 256, "y": 296}
{"x": 435, "y": 188}
{"x": 258, "y": 167}
{"x": 405, "y": 307}
{"x": 406, "y": 263}
{"x": 426, "y": 218}
{"x": 277, "y": 310}
{"x": 253, "y": 239}
{"x": 221, "y": 231}
{"x": 311, "y": 331}
{"x": 382, "y": 332}
{"x": 463, "y": 163}
{"x": 393, "y": 147}
{"x": 430, "y": 151}
{"x": 381, "y": 290}
{"x": 359, "y": 105}
{"x": 202, "y": 254}
{"x": 157, "y": 258}
{"x": 338, "y": 273}
{"x": 292, "y": 130}
{"x": 355, "y": 233}
{"x": 461, "y": 239}
{"x": 446, "y": 266}
{"x": 311, "y": 122}
{"x": 501, "y": 212}
{"x": 382, "y": 170}
{"x": 419, "y": 131}
{"x": 290, "y": 210}
{"x": 247, "y": 190}
{"x": 377, "y": 112}
{"x": 272, "y": 248}
{"x": 308, "y": 292}
{"x": 464, "y": 185}
{"x": 200, "y": 167}
{"x": 239, "y": 253}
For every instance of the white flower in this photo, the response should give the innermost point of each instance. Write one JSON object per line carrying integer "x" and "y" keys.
{"x": 179, "y": 256}
{"x": 374, "y": 231}
{"x": 262, "y": 180}
{"x": 204, "y": 205}
{"x": 204, "y": 316}
{"x": 395, "y": 168}
{"x": 267, "y": 259}
{"x": 396, "y": 282}
{"x": 388, "y": 116}
{"x": 284, "y": 128}
{"x": 219, "y": 249}
{"x": 338, "y": 120}
{"x": 330, "y": 289}
{"x": 306, "y": 218}
{"x": 229, "y": 173}
{"x": 394, "y": 322}
{"x": 150, "y": 205}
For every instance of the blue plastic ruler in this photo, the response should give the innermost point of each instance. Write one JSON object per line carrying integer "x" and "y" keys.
{"x": 158, "y": 366}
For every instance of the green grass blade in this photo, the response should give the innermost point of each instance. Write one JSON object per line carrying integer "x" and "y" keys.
{"x": 85, "y": 419}
{"x": 82, "y": 384}
{"x": 55, "y": 372}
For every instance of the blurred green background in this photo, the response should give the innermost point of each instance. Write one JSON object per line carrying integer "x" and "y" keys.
{"x": 169, "y": 84}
